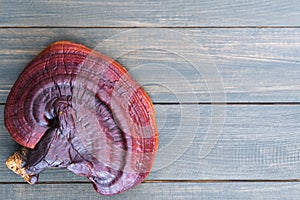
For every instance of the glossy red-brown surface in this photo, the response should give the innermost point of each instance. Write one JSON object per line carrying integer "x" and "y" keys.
{"x": 79, "y": 109}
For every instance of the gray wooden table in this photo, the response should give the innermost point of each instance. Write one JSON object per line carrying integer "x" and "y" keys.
{"x": 224, "y": 77}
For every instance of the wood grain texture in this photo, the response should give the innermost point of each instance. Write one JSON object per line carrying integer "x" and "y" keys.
{"x": 254, "y": 65}
{"x": 254, "y": 46}
{"x": 256, "y": 142}
{"x": 158, "y": 191}
{"x": 149, "y": 13}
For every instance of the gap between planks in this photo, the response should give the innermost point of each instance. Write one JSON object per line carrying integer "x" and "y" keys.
{"x": 220, "y": 103}
{"x": 166, "y": 27}
{"x": 167, "y": 181}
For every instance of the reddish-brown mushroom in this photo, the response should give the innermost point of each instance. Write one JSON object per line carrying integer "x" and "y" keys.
{"x": 75, "y": 108}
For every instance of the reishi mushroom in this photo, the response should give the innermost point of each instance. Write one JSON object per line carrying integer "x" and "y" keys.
{"x": 75, "y": 108}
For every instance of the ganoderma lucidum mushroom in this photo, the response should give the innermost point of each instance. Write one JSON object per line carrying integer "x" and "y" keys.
{"x": 75, "y": 108}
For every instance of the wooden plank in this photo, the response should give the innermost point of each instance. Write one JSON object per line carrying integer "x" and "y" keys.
{"x": 149, "y": 13}
{"x": 246, "y": 65}
{"x": 227, "y": 190}
{"x": 256, "y": 142}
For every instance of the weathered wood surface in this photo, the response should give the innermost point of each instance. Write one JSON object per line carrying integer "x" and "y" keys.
{"x": 227, "y": 190}
{"x": 245, "y": 53}
{"x": 149, "y": 13}
{"x": 252, "y": 65}
{"x": 256, "y": 142}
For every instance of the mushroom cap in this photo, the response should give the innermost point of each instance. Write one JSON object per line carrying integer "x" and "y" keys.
{"x": 91, "y": 100}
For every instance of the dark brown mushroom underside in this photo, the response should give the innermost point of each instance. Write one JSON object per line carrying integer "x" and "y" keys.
{"x": 76, "y": 108}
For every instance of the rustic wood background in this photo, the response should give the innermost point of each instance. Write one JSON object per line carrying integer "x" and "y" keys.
{"x": 255, "y": 46}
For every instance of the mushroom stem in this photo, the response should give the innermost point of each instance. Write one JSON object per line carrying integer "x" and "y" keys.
{"x": 16, "y": 162}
